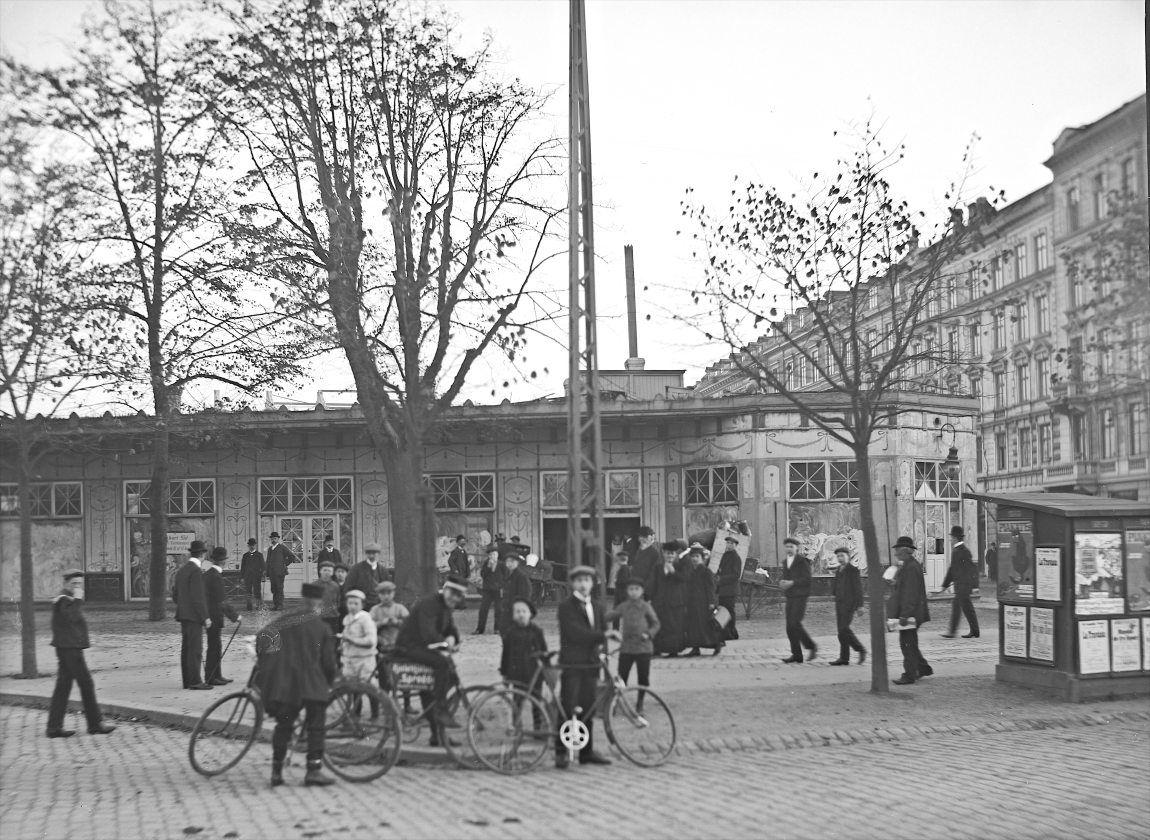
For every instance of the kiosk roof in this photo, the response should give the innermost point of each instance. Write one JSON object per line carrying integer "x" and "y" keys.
{"x": 1067, "y": 504}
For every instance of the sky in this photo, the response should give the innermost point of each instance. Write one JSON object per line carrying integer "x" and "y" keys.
{"x": 689, "y": 94}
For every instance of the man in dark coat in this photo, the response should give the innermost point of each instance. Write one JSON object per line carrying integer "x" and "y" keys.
{"x": 796, "y": 586}
{"x": 963, "y": 574}
{"x": 582, "y": 629}
{"x": 648, "y": 560}
{"x": 458, "y": 563}
{"x": 908, "y": 610}
{"x": 279, "y": 558}
{"x": 490, "y": 587}
{"x": 218, "y": 607}
{"x": 366, "y": 575}
{"x": 329, "y": 553}
{"x": 727, "y": 582}
{"x": 252, "y": 573}
{"x": 295, "y": 670}
{"x": 192, "y": 613}
{"x": 70, "y": 638}
{"x": 424, "y": 638}
{"x": 848, "y": 593}
{"x": 516, "y": 586}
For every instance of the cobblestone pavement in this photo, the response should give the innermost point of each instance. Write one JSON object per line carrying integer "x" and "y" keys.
{"x": 1084, "y": 779}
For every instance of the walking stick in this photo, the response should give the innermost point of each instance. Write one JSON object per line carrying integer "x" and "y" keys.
{"x": 219, "y": 666}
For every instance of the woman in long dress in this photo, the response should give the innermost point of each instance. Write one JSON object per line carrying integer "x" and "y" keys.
{"x": 700, "y": 630}
{"x": 668, "y": 597}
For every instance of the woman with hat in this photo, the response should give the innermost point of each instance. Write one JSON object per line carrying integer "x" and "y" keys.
{"x": 70, "y": 638}
{"x": 700, "y": 629}
{"x": 907, "y": 610}
{"x": 669, "y": 598}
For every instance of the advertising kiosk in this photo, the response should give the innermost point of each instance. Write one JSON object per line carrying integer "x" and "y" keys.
{"x": 1073, "y": 593}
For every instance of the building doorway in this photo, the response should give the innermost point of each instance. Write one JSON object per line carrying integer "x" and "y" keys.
{"x": 555, "y": 539}
{"x": 304, "y": 536}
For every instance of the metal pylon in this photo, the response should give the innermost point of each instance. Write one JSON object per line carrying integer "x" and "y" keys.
{"x": 584, "y": 438}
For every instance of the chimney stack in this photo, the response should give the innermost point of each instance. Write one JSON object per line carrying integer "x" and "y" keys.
{"x": 633, "y": 362}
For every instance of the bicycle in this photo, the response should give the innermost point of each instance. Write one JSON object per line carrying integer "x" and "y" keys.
{"x": 404, "y": 678}
{"x": 355, "y": 751}
{"x": 637, "y": 721}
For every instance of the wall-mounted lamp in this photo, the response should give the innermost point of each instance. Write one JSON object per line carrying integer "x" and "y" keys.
{"x": 950, "y": 465}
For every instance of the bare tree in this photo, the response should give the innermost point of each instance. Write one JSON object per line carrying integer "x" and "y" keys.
{"x": 848, "y": 258}
{"x": 173, "y": 307}
{"x": 42, "y": 365}
{"x": 395, "y": 177}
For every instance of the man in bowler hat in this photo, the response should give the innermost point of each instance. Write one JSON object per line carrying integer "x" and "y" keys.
{"x": 252, "y": 573}
{"x": 279, "y": 558}
{"x": 218, "y": 607}
{"x": 70, "y": 638}
{"x": 963, "y": 575}
{"x": 907, "y": 610}
{"x": 192, "y": 613}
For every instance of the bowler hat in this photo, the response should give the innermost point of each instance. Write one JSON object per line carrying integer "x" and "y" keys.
{"x": 459, "y": 537}
{"x": 275, "y": 534}
{"x": 73, "y": 573}
{"x": 905, "y": 542}
{"x": 311, "y": 590}
{"x": 957, "y": 532}
{"x": 197, "y": 547}
{"x": 252, "y": 541}
{"x": 219, "y": 553}
{"x": 579, "y": 571}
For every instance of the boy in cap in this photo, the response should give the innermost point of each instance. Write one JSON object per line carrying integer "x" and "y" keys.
{"x": 70, "y": 638}
{"x": 252, "y": 573}
{"x": 582, "y": 629}
{"x": 848, "y": 600}
{"x": 638, "y": 626}
{"x": 796, "y": 586}
{"x": 963, "y": 574}
{"x": 218, "y": 607}
{"x": 358, "y": 640}
{"x": 522, "y": 640}
{"x": 332, "y": 594}
{"x": 727, "y": 582}
{"x": 388, "y": 615}
{"x": 294, "y": 671}
{"x": 907, "y": 610}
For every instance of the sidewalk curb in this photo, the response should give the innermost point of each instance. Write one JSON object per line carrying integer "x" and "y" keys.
{"x": 409, "y": 756}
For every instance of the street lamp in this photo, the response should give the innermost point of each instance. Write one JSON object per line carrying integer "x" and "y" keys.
{"x": 950, "y": 465}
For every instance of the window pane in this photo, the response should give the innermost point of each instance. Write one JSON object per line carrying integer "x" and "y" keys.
{"x": 554, "y": 490}
{"x": 41, "y": 500}
{"x": 337, "y": 494}
{"x": 808, "y": 480}
{"x": 696, "y": 490}
{"x": 623, "y": 488}
{"x": 9, "y": 500}
{"x": 136, "y": 498}
{"x": 479, "y": 492}
{"x": 925, "y": 479}
{"x": 200, "y": 497}
{"x": 447, "y": 492}
{"x": 66, "y": 498}
{"x": 724, "y": 485}
{"x": 844, "y": 480}
{"x": 273, "y": 495}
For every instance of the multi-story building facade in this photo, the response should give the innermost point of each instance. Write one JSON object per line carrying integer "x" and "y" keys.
{"x": 1053, "y": 338}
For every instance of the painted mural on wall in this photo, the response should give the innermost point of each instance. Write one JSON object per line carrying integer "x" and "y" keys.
{"x": 475, "y": 526}
{"x": 140, "y": 548}
{"x": 697, "y": 519}
{"x": 56, "y": 546}
{"x": 822, "y": 527}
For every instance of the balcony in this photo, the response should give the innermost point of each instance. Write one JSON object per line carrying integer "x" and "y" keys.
{"x": 1069, "y": 397}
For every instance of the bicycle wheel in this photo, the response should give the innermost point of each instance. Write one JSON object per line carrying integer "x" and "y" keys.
{"x": 362, "y": 733}
{"x": 641, "y": 726}
{"x": 224, "y": 733}
{"x": 509, "y": 731}
{"x": 459, "y": 704}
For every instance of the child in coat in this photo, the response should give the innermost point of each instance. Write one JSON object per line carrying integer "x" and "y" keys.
{"x": 639, "y": 625}
{"x": 358, "y": 640}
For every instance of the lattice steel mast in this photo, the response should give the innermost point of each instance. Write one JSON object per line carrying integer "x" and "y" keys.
{"x": 584, "y": 438}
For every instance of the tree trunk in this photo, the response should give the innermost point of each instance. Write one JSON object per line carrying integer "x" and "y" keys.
{"x": 27, "y": 591}
{"x": 876, "y": 586}
{"x": 413, "y": 549}
{"x": 158, "y": 517}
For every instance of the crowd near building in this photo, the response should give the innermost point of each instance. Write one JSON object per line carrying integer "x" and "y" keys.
{"x": 679, "y": 459}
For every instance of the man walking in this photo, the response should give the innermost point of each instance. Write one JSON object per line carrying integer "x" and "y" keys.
{"x": 848, "y": 600}
{"x": 490, "y": 587}
{"x": 192, "y": 613}
{"x": 648, "y": 559}
{"x": 963, "y": 574}
{"x": 295, "y": 670}
{"x": 366, "y": 575}
{"x": 907, "y": 610}
{"x": 796, "y": 586}
{"x": 279, "y": 558}
{"x": 70, "y": 638}
{"x": 727, "y": 582}
{"x": 252, "y": 573}
{"x": 218, "y": 607}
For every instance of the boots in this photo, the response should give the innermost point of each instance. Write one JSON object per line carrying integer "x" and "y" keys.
{"x": 277, "y": 773}
{"x": 315, "y": 777}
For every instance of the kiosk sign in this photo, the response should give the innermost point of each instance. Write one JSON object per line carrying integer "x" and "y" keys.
{"x": 1098, "y": 579}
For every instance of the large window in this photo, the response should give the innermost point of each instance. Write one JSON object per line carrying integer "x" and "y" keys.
{"x": 1098, "y": 197}
{"x": 996, "y": 273}
{"x": 1021, "y": 322}
{"x": 1022, "y": 373}
{"x": 1025, "y": 446}
{"x": 186, "y": 497}
{"x": 1128, "y": 177}
{"x": 622, "y": 489}
{"x": 50, "y": 500}
{"x": 1109, "y": 437}
{"x": 1045, "y": 449}
{"x": 324, "y": 494}
{"x": 822, "y": 480}
{"x": 1041, "y": 252}
{"x": 1136, "y": 423}
{"x": 462, "y": 491}
{"x": 1073, "y": 218}
{"x": 1041, "y": 314}
{"x": 999, "y": 389}
{"x": 711, "y": 486}
{"x": 1000, "y": 450}
{"x": 1077, "y": 288}
{"x": 1021, "y": 268}
{"x": 974, "y": 339}
{"x": 931, "y": 481}
{"x": 1042, "y": 376}
{"x": 999, "y": 329}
